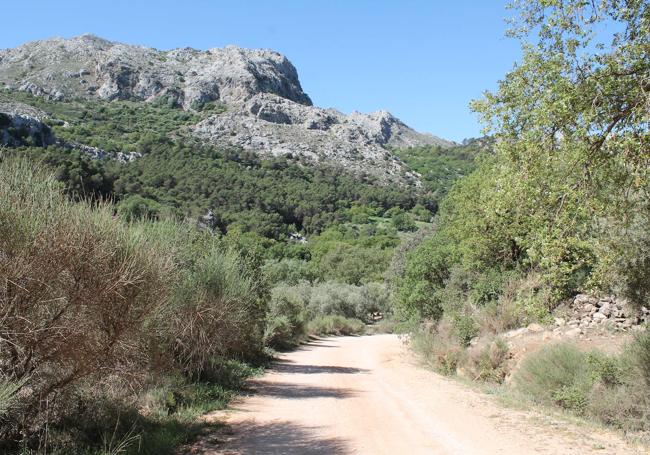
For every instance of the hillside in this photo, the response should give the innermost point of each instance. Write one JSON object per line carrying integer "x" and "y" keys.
{"x": 149, "y": 158}
{"x": 251, "y": 99}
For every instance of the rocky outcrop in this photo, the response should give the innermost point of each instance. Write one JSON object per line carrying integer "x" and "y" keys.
{"x": 21, "y": 124}
{"x": 278, "y": 126}
{"x": 585, "y": 314}
{"x": 89, "y": 66}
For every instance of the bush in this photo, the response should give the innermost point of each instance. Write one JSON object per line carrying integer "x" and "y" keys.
{"x": 607, "y": 388}
{"x": 97, "y": 311}
{"x": 286, "y": 323}
{"x": 217, "y": 309}
{"x": 77, "y": 290}
{"x": 488, "y": 361}
{"x": 136, "y": 208}
{"x": 288, "y": 271}
{"x": 335, "y": 325}
{"x": 439, "y": 347}
{"x": 332, "y": 298}
{"x": 552, "y": 373}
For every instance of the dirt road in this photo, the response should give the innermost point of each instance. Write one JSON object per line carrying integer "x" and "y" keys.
{"x": 367, "y": 395}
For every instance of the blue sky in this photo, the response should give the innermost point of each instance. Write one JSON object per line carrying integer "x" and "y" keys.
{"x": 422, "y": 60}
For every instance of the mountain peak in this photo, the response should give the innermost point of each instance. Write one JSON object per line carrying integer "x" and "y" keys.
{"x": 89, "y": 66}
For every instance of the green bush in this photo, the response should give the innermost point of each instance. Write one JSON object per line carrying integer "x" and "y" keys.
{"x": 332, "y": 298}
{"x": 551, "y": 372}
{"x": 217, "y": 309}
{"x": 289, "y": 271}
{"x": 287, "y": 317}
{"x": 136, "y": 208}
{"x": 610, "y": 389}
{"x": 573, "y": 397}
{"x": 335, "y": 325}
{"x": 640, "y": 354}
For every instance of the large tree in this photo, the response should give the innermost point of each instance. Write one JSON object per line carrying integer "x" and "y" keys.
{"x": 572, "y": 124}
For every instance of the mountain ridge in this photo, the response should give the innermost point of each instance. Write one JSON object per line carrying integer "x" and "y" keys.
{"x": 250, "y": 98}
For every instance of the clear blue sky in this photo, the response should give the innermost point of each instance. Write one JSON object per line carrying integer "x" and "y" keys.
{"x": 423, "y": 60}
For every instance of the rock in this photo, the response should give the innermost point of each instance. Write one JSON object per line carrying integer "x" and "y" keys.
{"x": 267, "y": 110}
{"x": 535, "y": 328}
{"x": 279, "y": 126}
{"x": 605, "y": 309}
{"x": 626, "y": 323}
{"x": 588, "y": 308}
{"x": 122, "y": 71}
{"x": 515, "y": 333}
{"x": 560, "y": 322}
{"x": 599, "y": 317}
{"x": 574, "y": 322}
{"x": 573, "y": 333}
{"x": 207, "y": 222}
{"x": 583, "y": 299}
{"x": 547, "y": 335}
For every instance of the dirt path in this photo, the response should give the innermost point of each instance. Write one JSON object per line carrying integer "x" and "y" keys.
{"x": 366, "y": 395}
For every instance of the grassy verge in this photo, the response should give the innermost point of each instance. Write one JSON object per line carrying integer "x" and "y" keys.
{"x": 609, "y": 390}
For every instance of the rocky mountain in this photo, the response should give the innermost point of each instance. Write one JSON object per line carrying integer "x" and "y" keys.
{"x": 262, "y": 104}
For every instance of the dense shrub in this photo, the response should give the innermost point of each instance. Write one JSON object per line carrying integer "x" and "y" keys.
{"x": 553, "y": 372}
{"x": 328, "y": 308}
{"x": 289, "y": 271}
{"x": 332, "y": 298}
{"x": 217, "y": 309}
{"x": 487, "y": 361}
{"x": 439, "y": 347}
{"x": 77, "y": 289}
{"x": 96, "y": 311}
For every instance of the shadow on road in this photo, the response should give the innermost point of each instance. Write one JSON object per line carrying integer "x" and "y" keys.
{"x": 282, "y": 438}
{"x": 296, "y": 391}
{"x": 295, "y": 368}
